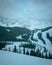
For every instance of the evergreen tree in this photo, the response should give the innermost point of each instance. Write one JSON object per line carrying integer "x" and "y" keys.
{"x": 49, "y": 55}
{"x": 27, "y": 53}
{"x": 32, "y": 53}
{"x": 44, "y": 54}
{"x": 14, "y": 50}
{"x": 39, "y": 54}
{"x": 23, "y": 50}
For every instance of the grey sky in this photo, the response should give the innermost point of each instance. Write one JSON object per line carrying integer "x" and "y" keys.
{"x": 27, "y": 10}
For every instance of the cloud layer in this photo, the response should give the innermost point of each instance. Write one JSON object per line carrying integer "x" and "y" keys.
{"x": 27, "y": 11}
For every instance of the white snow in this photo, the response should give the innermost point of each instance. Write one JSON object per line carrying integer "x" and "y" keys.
{"x": 19, "y": 37}
{"x": 10, "y": 58}
{"x": 8, "y": 30}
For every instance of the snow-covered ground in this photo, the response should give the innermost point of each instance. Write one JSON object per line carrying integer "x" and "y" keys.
{"x": 10, "y": 58}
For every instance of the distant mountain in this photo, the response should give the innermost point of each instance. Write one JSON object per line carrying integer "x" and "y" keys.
{"x": 32, "y": 24}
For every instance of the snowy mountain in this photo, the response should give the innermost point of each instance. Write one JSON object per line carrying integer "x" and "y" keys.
{"x": 32, "y": 24}
{"x": 38, "y": 40}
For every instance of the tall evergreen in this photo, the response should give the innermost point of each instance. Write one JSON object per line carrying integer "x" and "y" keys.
{"x": 23, "y": 50}
{"x": 27, "y": 53}
{"x": 14, "y": 50}
{"x": 32, "y": 53}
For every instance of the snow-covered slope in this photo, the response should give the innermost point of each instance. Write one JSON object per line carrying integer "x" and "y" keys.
{"x": 40, "y": 37}
{"x": 9, "y": 58}
{"x": 48, "y": 44}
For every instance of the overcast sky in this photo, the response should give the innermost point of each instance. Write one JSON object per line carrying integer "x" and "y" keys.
{"x": 27, "y": 10}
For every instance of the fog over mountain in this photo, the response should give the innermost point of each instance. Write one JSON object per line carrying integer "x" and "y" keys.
{"x": 26, "y": 13}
